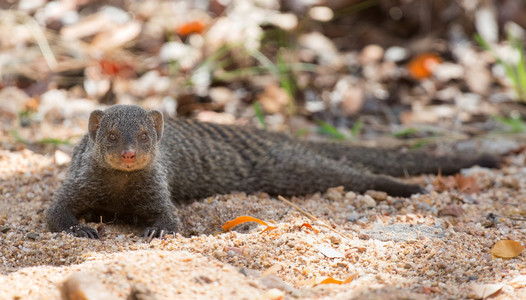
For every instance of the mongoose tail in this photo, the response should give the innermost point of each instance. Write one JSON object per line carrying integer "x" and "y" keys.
{"x": 398, "y": 163}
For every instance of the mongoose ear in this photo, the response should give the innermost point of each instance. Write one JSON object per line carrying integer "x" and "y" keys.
{"x": 158, "y": 122}
{"x": 94, "y": 123}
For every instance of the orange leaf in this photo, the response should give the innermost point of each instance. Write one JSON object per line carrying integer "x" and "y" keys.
{"x": 506, "y": 249}
{"x": 113, "y": 68}
{"x": 309, "y": 226}
{"x": 306, "y": 225}
{"x": 268, "y": 229}
{"x": 240, "y": 220}
{"x": 467, "y": 184}
{"x": 422, "y": 65}
{"x": 443, "y": 183}
{"x": 191, "y": 27}
{"x": 337, "y": 281}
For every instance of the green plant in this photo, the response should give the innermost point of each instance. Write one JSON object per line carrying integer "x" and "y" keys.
{"x": 328, "y": 129}
{"x": 515, "y": 124}
{"x": 515, "y": 71}
{"x": 335, "y": 133}
{"x": 259, "y": 114}
{"x": 48, "y": 141}
{"x": 404, "y": 133}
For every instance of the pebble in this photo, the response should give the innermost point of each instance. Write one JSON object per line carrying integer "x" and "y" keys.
{"x": 366, "y": 202}
{"x": 353, "y": 216}
{"x": 371, "y": 54}
{"x": 396, "y": 54}
{"x": 140, "y": 292}
{"x": 83, "y": 286}
{"x": 377, "y": 195}
{"x": 32, "y": 236}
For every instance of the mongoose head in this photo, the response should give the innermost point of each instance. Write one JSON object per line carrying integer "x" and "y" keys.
{"x": 125, "y": 137}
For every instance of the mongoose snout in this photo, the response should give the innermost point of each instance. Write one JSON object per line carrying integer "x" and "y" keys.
{"x": 128, "y": 156}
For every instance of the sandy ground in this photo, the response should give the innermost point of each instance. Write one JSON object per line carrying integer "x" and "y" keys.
{"x": 427, "y": 246}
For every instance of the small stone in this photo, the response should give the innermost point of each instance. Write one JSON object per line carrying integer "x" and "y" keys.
{"x": 140, "y": 292}
{"x": 274, "y": 294}
{"x": 350, "y": 195}
{"x": 4, "y": 229}
{"x": 366, "y": 202}
{"x": 321, "y": 13}
{"x": 451, "y": 210}
{"x": 377, "y": 195}
{"x": 371, "y": 54}
{"x": 32, "y": 235}
{"x": 274, "y": 282}
{"x": 83, "y": 286}
{"x": 335, "y": 194}
{"x": 353, "y": 216}
{"x": 396, "y": 54}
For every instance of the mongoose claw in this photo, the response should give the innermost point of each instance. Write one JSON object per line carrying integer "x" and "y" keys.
{"x": 151, "y": 232}
{"x": 83, "y": 231}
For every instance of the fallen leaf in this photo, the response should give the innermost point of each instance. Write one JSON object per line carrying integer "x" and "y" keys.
{"x": 454, "y": 210}
{"x": 467, "y": 184}
{"x": 506, "y": 249}
{"x": 274, "y": 269}
{"x": 483, "y": 291}
{"x": 191, "y": 28}
{"x": 325, "y": 280}
{"x": 329, "y": 252}
{"x": 422, "y": 65}
{"x": 116, "y": 37}
{"x": 112, "y": 68}
{"x": 309, "y": 226}
{"x": 441, "y": 184}
{"x": 464, "y": 184}
{"x": 274, "y": 99}
{"x": 268, "y": 229}
{"x": 243, "y": 219}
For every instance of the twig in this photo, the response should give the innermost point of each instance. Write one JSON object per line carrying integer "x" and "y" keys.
{"x": 40, "y": 38}
{"x": 312, "y": 217}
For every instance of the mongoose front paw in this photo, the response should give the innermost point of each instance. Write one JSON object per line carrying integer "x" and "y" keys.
{"x": 83, "y": 231}
{"x": 154, "y": 231}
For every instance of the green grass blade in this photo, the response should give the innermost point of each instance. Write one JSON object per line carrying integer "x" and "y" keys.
{"x": 355, "y": 131}
{"x": 521, "y": 71}
{"x": 328, "y": 129}
{"x": 259, "y": 114}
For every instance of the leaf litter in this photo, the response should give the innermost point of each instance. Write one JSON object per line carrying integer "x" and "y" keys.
{"x": 163, "y": 53}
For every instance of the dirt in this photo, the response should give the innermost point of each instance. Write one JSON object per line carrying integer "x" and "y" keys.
{"x": 436, "y": 245}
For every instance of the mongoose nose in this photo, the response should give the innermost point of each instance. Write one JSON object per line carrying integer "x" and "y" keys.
{"x": 128, "y": 156}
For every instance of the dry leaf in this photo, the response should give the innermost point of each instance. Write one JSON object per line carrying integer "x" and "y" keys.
{"x": 441, "y": 184}
{"x": 467, "y": 184}
{"x": 268, "y": 229}
{"x": 329, "y": 252}
{"x": 274, "y": 99}
{"x": 113, "y": 68}
{"x": 483, "y": 291}
{"x": 464, "y": 184}
{"x": 191, "y": 28}
{"x": 243, "y": 219}
{"x": 325, "y": 280}
{"x": 117, "y": 36}
{"x": 274, "y": 269}
{"x": 454, "y": 210}
{"x": 506, "y": 249}
{"x": 422, "y": 66}
{"x": 309, "y": 226}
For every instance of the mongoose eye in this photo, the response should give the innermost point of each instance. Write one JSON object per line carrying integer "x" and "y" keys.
{"x": 143, "y": 137}
{"x": 112, "y": 137}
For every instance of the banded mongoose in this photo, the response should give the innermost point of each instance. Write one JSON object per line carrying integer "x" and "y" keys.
{"x": 134, "y": 166}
